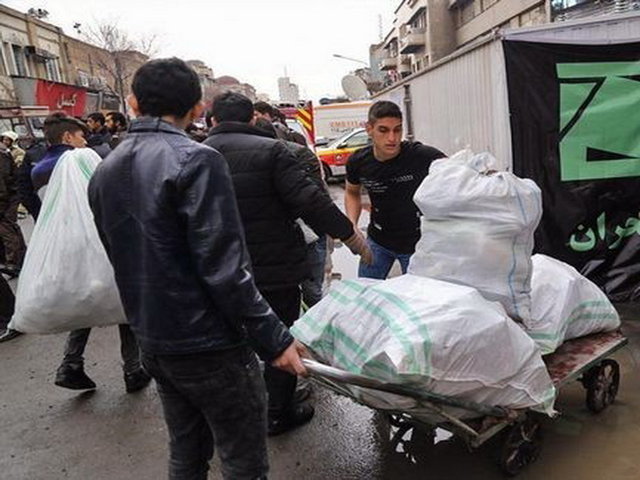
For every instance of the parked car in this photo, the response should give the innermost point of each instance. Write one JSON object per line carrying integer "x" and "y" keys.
{"x": 335, "y": 154}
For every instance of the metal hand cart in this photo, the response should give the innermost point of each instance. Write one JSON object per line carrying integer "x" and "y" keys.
{"x": 584, "y": 359}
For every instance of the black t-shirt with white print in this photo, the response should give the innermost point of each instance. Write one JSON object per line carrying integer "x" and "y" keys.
{"x": 395, "y": 219}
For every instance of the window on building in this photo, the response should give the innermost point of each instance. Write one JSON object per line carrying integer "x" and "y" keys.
{"x": 52, "y": 68}
{"x": 20, "y": 61}
{"x": 4, "y": 64}
{"x": 83, "y": 78}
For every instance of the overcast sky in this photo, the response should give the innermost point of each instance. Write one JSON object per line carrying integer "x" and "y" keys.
{"x": 252, "y": 40}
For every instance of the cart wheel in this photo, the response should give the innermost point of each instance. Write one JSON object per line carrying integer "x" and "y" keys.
{"x": 521, "y": 447}
{"x": 602, "y": 382}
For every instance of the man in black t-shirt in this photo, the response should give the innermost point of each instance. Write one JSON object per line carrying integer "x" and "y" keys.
{"x": 391, "y": 170}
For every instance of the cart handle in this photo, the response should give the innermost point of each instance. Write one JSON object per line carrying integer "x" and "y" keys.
{"x": 335, "y": 374}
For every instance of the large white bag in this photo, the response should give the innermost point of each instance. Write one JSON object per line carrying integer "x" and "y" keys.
{"x": 477, "y": 229}
{"x": 441, "y": 337}
{"x": 67, "y": 281}
{"x": 565, "y": 305}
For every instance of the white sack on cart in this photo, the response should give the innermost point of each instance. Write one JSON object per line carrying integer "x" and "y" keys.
{"x": 565, "y": 305}
{"x": 67, "y": 281}
{"x": 441, "y": 337}
{"x": 477, "y": 229}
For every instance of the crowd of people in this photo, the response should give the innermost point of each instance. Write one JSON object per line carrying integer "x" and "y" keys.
{"x": 217, "y": 235}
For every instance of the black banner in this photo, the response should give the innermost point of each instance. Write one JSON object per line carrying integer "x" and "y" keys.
{"x": 575, "y": 124}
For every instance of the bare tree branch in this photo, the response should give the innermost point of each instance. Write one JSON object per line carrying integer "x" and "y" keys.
{"x": 121, "y": 53}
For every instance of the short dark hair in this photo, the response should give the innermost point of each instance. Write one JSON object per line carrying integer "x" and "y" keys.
{"x": 166, "y": 86}
{"x": 96, "y": 117}
{"x": 384, "y": 109}
{"x": 263, "y": 107}
{"x": 58, "y": 123}
{"x": 118, "y": 117}
{"x": 232, "y": 107}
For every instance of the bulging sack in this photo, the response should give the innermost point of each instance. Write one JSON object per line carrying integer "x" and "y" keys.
{"x": 477, "y": 229}
{"x": 565, "y": 305}
{"x": 67, "y": 281}
{"x": 430, "y": 334}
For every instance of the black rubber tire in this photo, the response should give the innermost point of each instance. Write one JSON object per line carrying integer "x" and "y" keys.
{"x": 602, "y": 383}
{"x": 521, "y": 447}
{"x": 328, "y": 177}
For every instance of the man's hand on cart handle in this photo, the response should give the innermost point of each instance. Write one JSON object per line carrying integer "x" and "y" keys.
{"x": 290, "y": 360}
{"x": 358, "y": 245}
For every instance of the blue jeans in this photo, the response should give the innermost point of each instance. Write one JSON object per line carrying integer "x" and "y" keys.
{"x": 383, "y": 259}
{"x": 312, "y": 287}
{"x": 212, "y": 399}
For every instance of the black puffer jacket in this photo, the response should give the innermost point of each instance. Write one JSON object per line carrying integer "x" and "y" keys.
{"x": 273, "y": 190}
{"x": 166, "y": 213}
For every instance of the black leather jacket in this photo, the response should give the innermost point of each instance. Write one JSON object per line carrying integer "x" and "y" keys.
{"x": 166, "y": 212}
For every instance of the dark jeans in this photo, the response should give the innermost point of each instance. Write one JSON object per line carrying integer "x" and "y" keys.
{"x": 10, "y": 233}
{"x": 282, "y": 385}
{"x": 383, "y": 259}
{"x": 7, "y": 303}
{"x": 312, "y": 288}
{"x": 213, "y": 398}
{"x": 77, "y": 341}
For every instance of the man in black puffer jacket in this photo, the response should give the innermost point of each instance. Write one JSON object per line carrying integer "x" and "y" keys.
{"x": 273, "y": 190}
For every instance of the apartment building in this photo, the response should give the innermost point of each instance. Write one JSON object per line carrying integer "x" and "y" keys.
{"x": 41, "y": 65}
{"x": 425, "y": 31}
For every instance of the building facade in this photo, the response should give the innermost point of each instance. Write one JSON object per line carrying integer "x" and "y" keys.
{"x": 288, "y": 92}
{"x": 41, "y": 65}
{"x": 424, "y": 31}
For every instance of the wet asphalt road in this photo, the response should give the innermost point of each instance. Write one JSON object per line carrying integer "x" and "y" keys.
{"x": 50, "y": 433}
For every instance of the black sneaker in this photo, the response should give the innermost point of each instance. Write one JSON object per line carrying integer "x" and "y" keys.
{"x": 11, "y": 271}
{"x": 136, "y": 381}
{"x": 9, "y": 334}
{"x": 302, "y": 393}
{"x": 74, "y": 379}
{"x": 298, "y": 416}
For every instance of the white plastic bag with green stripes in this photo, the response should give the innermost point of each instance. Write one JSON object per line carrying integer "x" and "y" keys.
{"x": 67, "y": 281}
{"x": 565, "y": 305}
{"x": 438, "y": 336}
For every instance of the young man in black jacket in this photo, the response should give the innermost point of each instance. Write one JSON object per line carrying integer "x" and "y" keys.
{"x": 273, "y": 191}
{"x": 167, "y": 216}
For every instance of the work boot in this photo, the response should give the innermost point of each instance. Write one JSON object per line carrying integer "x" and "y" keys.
{"x": 296, "y": 417}
{"x": 136, "y": 380}
{"x": 73, "y": 378}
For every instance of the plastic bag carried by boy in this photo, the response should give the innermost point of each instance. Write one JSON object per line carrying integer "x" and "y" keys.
{"x": 433, "y": 335}
{"x": 477, "y": 229}
{"x": 565, "y": 305}
{"x": 67, "y": 281}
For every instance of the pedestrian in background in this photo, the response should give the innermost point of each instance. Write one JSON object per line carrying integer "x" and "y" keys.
{"x": 117, "y": 125}
{"x": 10, "y": 139}
{"x": 64, "y": 133}
{"x": 166, "y": 213}
{"x": 99, "y": 137}
{"x": 10, "y": 233}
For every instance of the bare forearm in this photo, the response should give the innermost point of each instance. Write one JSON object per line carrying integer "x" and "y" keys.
{"x": 353, "y": 206}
